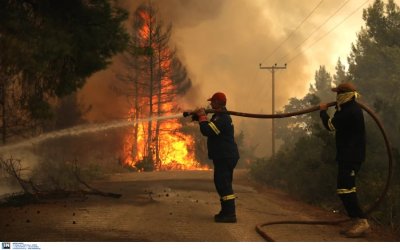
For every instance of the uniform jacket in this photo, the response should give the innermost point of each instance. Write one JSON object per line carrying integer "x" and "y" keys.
{"x": 220, "y": 137}
{"x": 350, "y": 131}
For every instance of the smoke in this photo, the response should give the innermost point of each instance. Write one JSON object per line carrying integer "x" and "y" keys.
{"x": 222, "y": 42}
{"x": 8, "y": 188}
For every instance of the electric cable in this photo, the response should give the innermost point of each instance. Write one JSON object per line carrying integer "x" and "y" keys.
{"x": 317, "y": 29}
{"x": 292, "y": 33}
{"x": 319, "y": 39}
{"x": 372, "y": 207}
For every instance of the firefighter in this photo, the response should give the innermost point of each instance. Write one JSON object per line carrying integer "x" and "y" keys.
{"x": 348, "y": 124}
{"x": 223, "y": 151}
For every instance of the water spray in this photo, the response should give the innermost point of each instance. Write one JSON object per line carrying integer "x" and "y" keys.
{"x": 83, "y": 129}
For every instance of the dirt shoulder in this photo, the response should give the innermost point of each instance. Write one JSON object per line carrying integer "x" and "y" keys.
{"x": 168, "y": 206}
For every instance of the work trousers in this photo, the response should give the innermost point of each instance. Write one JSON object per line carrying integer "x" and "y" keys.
{"x": 223, "y": 175}
{"x": 346, "y": 188}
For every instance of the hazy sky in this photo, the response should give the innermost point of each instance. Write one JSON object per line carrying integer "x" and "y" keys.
{"x": 222, "y": 43}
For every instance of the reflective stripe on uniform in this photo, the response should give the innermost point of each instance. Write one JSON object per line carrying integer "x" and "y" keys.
{"x": 228, "y": 197}
{"x": 346, "y": 191}
{"x": 330, "y": 125}
{"x": 213, "y": 127}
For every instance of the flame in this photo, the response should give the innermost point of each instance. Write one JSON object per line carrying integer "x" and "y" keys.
{"x": 176, "y": 150}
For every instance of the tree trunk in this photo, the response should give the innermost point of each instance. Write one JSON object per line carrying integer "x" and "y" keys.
{"x": 149, "y": 153}
{"x": 135, "y": 120}
{"x": 159, "y": 101}
{"x": 134, "y": 150}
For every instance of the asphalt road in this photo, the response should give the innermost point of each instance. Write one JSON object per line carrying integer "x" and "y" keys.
{"x": 175, "y": 206}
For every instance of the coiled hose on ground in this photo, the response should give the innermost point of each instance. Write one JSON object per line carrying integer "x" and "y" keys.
{"x": 372, "y": 207}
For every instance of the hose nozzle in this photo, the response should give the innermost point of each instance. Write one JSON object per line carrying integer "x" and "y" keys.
{"x": 192, "y": 113}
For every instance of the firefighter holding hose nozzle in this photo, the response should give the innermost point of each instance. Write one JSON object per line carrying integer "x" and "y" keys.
{"x": 223, "y": 151}
{"x": 349, "y": 127}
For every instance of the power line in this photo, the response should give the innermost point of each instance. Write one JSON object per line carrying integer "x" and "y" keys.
{"x": 319, "y": 27}
{"x": 292, "y": 33}
{"x": 347, "y": 17}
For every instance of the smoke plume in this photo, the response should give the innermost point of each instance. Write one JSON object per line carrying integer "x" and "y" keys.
{"x": 222, "y": 43}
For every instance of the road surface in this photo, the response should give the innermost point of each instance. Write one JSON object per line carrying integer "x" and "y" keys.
{"x": 173, "y": 206}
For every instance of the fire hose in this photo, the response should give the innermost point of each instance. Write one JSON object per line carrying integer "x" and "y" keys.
{"x": 371, "y": 208}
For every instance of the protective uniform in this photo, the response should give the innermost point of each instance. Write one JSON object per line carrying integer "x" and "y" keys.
{"x": 348, "y": 124}
{"x": 223, "y": 151}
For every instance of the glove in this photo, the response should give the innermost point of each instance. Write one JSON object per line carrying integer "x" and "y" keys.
{"x": 323, "y": 106}
{"x": 195, "y": 117}
{"x": 199, "y": 115}
{"x": 200, "y": 112}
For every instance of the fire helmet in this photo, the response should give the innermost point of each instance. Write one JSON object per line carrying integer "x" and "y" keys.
{"x": 219, "y": 97}
{"x": 345, "y": 87}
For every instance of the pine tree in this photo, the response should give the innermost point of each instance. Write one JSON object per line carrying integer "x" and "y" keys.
{"x": 340, "y": 75}
{"x": 48, "y": 50}
{"x": 156, "y": 78}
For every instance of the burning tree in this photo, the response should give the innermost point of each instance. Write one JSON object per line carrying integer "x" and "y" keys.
{"x": 155, "y": 79}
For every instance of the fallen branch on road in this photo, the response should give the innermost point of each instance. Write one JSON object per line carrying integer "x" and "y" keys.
{"x": 34, "y": 193}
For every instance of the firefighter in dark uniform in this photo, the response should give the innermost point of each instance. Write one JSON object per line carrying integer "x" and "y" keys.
{"x": 348, "y": 124}
{"x": 223, "y": 151}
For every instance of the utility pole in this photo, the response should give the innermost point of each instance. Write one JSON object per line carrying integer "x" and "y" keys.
{"x": 272, "y": 69}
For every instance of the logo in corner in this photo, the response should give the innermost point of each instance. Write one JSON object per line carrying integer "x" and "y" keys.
{"x": 5, "y": 245}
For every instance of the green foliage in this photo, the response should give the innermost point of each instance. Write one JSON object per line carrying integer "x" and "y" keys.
{"x": 67, "y": 40}
{"x": 52, "y": 47}
{"x": 341, "y": 75}
{"x": 293, "y": 128}
{"x": 297, "y": 171}
{"x": 375, "y": 63}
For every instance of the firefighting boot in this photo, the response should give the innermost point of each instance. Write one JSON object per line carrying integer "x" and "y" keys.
{"x": 221, "y": 211}
{"x": 348, "y": 225}
{"x": 360, "y": 228}
{"x": 228, "y": 214}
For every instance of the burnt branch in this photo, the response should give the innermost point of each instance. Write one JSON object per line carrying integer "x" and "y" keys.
{"x": 92, "y": 191}
{"x": 14, "y": 169}
{"x": 33, "y": 193}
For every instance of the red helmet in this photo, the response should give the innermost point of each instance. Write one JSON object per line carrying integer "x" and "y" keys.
{"x": 220, "y": 97}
